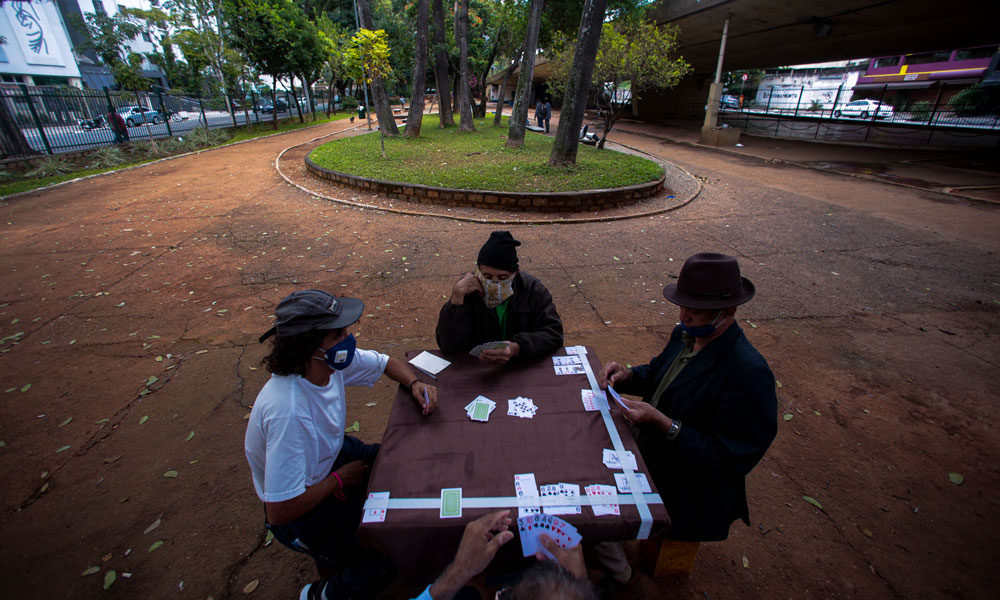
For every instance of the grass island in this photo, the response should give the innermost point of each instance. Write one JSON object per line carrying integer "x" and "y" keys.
{"x": 448, "y": 158}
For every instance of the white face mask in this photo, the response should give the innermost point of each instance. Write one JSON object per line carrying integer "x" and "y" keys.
{"x": 495, "y": 292}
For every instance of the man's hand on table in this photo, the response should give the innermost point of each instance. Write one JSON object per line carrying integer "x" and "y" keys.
{"x": 425, "y": 395}
{"x": 570, "y": 559}
{"x": 480, "y": 543}
{"x": 468, "y": 284}
{"x": 501, "y": 356}
{"x": 613, "y": 373}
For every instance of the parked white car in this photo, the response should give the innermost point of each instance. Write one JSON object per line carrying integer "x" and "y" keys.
{"x": 864, "y": 109}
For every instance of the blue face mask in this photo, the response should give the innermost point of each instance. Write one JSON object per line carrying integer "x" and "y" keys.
{"x": 702, "y": 331}
{"x": 340, "y": 355}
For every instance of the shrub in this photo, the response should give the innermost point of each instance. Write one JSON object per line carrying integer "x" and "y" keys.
{"x": 49, "y": 167}
{"x": 349, "y": 102}
{"x": 921, "y": 109}
{"x": 815, "y": 106}
{"x": 106, "y": 157}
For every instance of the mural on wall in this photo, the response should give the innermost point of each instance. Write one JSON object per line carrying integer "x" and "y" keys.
{"x": 37, "y": 31}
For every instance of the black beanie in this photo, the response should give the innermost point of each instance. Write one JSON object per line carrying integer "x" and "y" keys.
{"x": 499, "y": 251}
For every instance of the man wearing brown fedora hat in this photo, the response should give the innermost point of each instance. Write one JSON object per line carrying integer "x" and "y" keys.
{"x": 709, "y": 409}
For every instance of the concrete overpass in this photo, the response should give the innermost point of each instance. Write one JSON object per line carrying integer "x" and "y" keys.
{"x": 771, "y": 33}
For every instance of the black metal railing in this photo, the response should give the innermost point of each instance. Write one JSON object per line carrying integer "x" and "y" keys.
{"x": 49, "y": 120}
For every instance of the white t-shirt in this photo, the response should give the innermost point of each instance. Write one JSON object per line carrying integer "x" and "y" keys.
{"x": 296, "y": 428}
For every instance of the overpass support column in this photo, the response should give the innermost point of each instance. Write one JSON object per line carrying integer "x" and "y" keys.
{"x": 711, "y": 133}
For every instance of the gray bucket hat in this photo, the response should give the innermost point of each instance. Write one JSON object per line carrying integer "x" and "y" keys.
{"x": 306, "y": 310}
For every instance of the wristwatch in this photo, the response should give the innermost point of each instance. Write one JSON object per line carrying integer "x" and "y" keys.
{"x": 674, "y": 430}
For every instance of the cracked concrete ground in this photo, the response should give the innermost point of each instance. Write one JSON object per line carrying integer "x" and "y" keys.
{"x": 131, "y": 306}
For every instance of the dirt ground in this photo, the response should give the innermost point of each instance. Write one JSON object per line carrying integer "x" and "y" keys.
{"x": 131, "y": 305}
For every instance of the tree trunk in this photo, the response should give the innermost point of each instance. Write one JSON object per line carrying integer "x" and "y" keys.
{"x": 503, "y": 87}
{"x": 567, "y": 139}
{"x": 274, "y": 103}
{"x": 298, "y": 107}
{"x": 480, "y": 111}
{"x": 519, "y": 113}
{"x": 380, "y": 98}
{"x": 330, "y": 103}
{"x": 445, "y": 117}
{"x": 465, "y": 122}
{"x": 413, "y": 120}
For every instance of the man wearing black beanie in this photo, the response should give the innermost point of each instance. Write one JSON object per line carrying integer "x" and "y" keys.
{"x": 499, "y": 303}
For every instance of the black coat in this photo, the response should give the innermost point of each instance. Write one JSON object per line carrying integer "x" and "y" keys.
{"x": 532, "y": 321}
{"x": 726, "y": 402}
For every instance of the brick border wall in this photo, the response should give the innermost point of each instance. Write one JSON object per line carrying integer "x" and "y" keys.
{"x": 583, "y": 200}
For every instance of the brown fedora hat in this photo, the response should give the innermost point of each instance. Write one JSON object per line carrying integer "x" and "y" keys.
{"x": 709, "y": 281}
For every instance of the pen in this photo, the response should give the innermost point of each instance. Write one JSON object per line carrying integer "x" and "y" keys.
{"x": 427, "y": 400}
{"x": 425, "y": 372}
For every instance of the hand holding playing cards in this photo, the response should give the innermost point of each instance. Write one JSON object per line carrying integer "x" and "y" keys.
{"x": 570, "y": 559}
{"x": 642, "y": 412}
{"x": 468, "y": 284}
{"x": 501, "y": 356}
{"x": 480, "y": 543}
{"x": 613, "y": 374}
{"x": 425, "y": 395}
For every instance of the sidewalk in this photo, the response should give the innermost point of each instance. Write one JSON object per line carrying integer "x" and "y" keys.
{"x": 971, "y": 175}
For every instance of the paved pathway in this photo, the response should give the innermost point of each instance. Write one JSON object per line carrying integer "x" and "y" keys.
{"x": 141, "y": 294}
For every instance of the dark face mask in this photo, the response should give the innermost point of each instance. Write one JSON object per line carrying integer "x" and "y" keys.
{"x": 340, "y": 355}
{"x": 702, "y": 331}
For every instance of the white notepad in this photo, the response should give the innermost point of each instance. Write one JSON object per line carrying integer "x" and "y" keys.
{"x": 429, "y": 363}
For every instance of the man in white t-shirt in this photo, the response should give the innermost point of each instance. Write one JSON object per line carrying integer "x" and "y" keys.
{"x": 310, "y": 476}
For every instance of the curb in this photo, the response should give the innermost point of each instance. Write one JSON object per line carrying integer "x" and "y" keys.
{"x": 494, "y": 221}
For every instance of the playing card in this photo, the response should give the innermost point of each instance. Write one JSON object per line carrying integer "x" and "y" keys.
{"x": 480, "y": 411}
{"x": 570, "y": 370}
{"x": 589, "y": 400}
{"x": 623, "y": 486}
{"x": 532, "y": 526}
{"x": 570, "y": 492}
{"x": 604, "y": 492}
{"x": 525, "y": 489}
{"x": 576, "y": 350}
{"x": 375, "y": 507}
{"x": 612, "y": 461}
{"x": 572, "y": 359}
{"x": 451, "y": 503}
{"x": 617, "y": 398}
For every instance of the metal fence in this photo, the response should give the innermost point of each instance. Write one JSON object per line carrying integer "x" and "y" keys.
{"x": 883, "y": 114}
{"x": 50, "y": 120}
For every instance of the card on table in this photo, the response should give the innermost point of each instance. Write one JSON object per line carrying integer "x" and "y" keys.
{"x": 572, "y": 359}
{"x": 522, "y": 407}
{"x": 612, "y": 461}
{"x": 604, "y": 492}
{"x": 576, "y": 350}
{"x": 526, "y": 491}
{"x": 375, "y": 508}
{"x": 570, "y": 492}
{"x": 451, "y": 503}
{"x": 480, "y": 409}
{"x": 624, "y": 488}
{"x": 592, "y": 401}
{"x": 570, "y": 369}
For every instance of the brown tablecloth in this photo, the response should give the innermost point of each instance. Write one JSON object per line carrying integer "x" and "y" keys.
{"x": 421, "y": 455}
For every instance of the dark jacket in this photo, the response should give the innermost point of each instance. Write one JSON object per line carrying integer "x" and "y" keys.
{"x": 726, "y": 402}
{"x": 532, "y": 321}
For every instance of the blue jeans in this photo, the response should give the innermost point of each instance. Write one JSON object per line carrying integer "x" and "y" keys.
{"x": 327, "y": 534}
